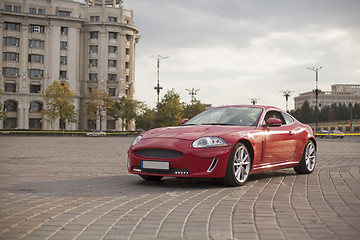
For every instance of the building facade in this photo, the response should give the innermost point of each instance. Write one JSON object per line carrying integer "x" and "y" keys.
{"x": 86, "y": 46}
{"x": 339, "y": 94}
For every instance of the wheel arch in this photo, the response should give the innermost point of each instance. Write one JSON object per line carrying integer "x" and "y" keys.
{"x": 249, "y": 146}
{"x": 314, "y": 142}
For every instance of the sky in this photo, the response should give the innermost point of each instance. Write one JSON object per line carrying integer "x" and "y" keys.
{"x": 236, "y": 50}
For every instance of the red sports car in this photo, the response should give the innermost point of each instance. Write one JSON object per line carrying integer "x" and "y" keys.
{"x": 228, "y": 142}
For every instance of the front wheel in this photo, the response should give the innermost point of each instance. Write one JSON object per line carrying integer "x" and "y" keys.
{"x": 239, "y": 166}
{"x": 308, "y": 160}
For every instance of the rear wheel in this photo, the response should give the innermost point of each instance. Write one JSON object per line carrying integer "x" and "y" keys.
{"x": 151, "y": 178}
{"x": 239, "y": 166}
{"x": 308, "y": 160}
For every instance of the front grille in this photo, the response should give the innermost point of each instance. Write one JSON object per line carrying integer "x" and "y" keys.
{"x": 158, "y": 153}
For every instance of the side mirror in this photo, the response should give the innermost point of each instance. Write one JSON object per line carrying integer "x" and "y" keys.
{"x": 273, "y": 122}
{"x": 184, "y": 121}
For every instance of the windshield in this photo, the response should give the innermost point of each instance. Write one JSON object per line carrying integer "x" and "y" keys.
{"x": 238, "y": 116}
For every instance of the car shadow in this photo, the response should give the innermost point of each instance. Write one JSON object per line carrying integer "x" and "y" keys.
{"x": 126, "y": 185}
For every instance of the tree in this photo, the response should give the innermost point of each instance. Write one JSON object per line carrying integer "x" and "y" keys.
{"x": 191, "y": 110}
{"x": 146, "y": 119}
{"x": 2, "y": 110}
{"x": 169, "y": 110}
{"x": 125, "y": 109}
{"x": 59, "y": 101}
{"x": 98, "y": 104}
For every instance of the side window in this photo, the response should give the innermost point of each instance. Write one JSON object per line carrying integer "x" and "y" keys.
{"x": 274, "y": 114}
{"x": 288, "y": 118}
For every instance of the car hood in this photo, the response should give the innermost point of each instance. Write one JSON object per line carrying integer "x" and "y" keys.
{"x": 193, "y": 132}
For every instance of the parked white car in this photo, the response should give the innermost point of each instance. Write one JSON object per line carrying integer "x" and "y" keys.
{"x": 96, "y": 133}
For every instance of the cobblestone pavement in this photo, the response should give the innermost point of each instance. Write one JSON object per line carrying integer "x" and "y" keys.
{"x": 78, "y": 188}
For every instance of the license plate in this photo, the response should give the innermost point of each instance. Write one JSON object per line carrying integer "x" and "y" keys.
{"x": 155, "y": 165}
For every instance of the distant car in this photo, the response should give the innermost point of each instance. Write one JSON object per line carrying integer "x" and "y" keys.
{"x": 96, "y": 133}
{"x": 336, "y": 134}
{"x": 229, "y": 142}
{"x": 322, "y": 134}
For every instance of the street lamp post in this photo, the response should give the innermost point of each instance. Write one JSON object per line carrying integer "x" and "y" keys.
{"x": 286, "y": 94}
{"x": 254, "y": 100}
{"x": 158, "y": 87}
{"x": 316, "y": 70}
{"x": 192, "y": 93}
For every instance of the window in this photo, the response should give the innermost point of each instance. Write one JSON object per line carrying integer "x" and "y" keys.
{"x": 112, "y": 19}
{"x": 91, "y": 124}
{"x": 288, "y": 118}
{"x": 10, "y": 72}
{"x": 32, "y": 10}
{"x": 10, "y": 87}
{"x": 93, "y": 77}
{"x": 7, "y": 8}
{"x": 17, "y": 9}
{"x": 10, "y": 56}
{"x": 91, "y": 89}
{"x": 63, "y": 45}
{"x": 127, "y": 51}
{"x": 63, "y": 60}
{"x": 12, "y": 26}
{"x": 112, "y": 92}
{"x": 36, "y": 29}
{"x": 36, "y": 43}
{"x": 112, "y": 35}
{"x": 41, "y": 11}
{"x": 35, "y": 107}
{"x": 112, "y": 63}
{"x": 111, "y": 77}
{"x": 62, "y": 74}
{"x": 34, "y": 88}
{"x": 94, "y": 34}
{"x": 93, "y": 63}
{"x": 112, "y": 49}
{"x": 94, "y": 18}
{"x": 94, "y": 48}
{"x": 274, "y": 114}
{"x": 9, "y": 41}
{"x": 35, "y": 73}
{"x": 35, "y": 123}
{"x": 10, "y": 106}
{"x": 10, "y": 123}
{"x": 64, "y": 13}
{"x": 35, "y": 58}
{"x": 127, "y": 64}
{"x": 64, "y": 31}
{"x": 110, "y": 125}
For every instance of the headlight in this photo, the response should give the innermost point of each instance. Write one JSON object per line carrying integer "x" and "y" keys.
{"x": 208, "y": 142}
{"x": 137, "y": 139}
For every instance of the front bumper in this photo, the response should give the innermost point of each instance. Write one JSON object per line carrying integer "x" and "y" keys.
{"x": 205, "y": 162}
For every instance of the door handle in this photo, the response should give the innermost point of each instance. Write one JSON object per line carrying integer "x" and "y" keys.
{"x": 291, "y": 133}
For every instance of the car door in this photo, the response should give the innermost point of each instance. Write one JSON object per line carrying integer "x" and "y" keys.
{"x": 280, "y": 141}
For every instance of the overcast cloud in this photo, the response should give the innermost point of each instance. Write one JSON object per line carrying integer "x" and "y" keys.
{"x": 235, "y": 50}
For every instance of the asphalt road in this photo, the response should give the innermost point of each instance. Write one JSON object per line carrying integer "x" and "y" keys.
{"x": 79, "y": 188}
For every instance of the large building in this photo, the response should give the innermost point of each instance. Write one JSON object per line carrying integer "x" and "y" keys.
{"x": 86, "y": 45}
{"x": 339, "y": 94}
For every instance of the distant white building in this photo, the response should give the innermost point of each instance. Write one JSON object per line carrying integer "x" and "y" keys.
{"x": 340, "y": 94}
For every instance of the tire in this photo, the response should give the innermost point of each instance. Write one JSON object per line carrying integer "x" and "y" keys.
{"x": 308, "y": 160}
{"x": 151, "y": 178}
{"x": 239, "y": 166}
